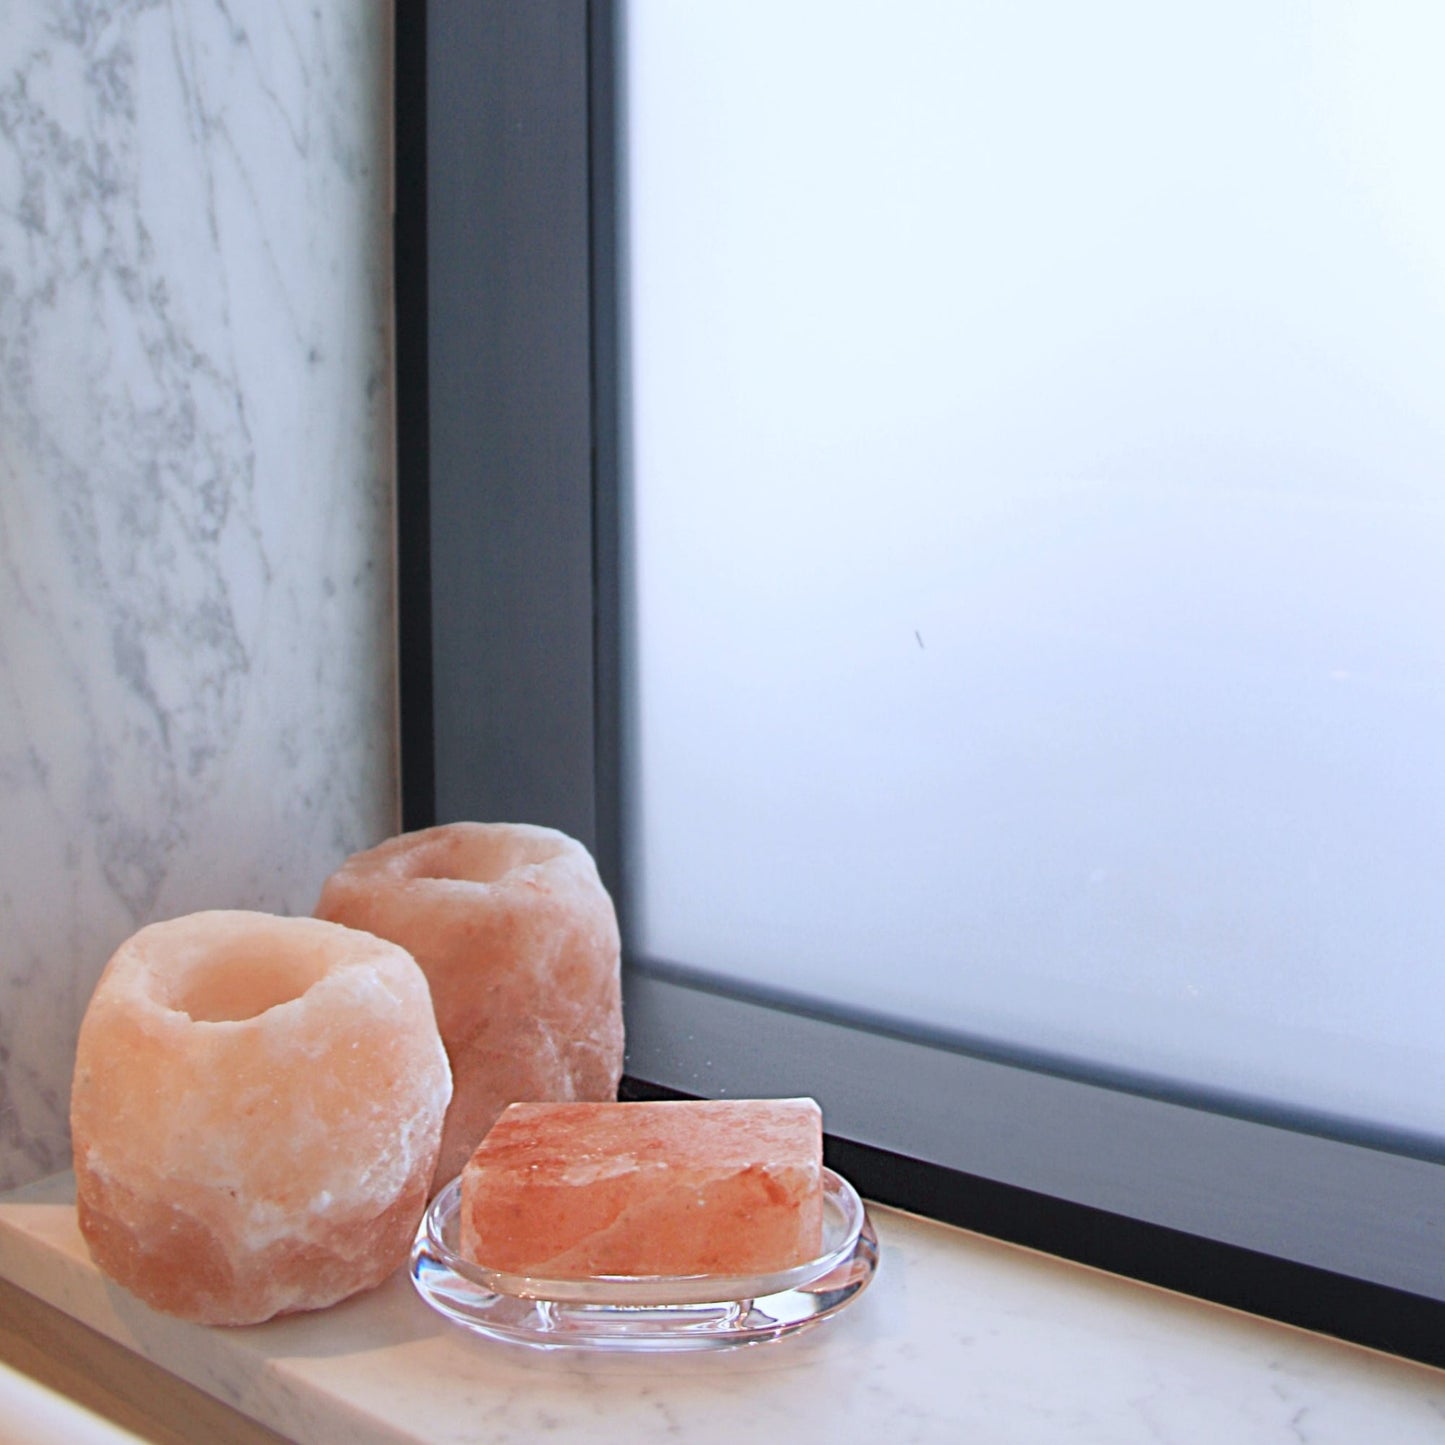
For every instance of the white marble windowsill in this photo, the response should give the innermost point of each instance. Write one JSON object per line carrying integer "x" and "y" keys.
{"x": 958, "y": 1338}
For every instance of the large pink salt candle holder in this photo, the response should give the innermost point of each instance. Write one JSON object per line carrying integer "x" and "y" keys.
{"x": 256, "y": 1112}
{"x": 646, "y": 1312}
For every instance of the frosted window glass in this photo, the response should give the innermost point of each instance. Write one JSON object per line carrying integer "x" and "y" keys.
{"x": 1036, "y": 525}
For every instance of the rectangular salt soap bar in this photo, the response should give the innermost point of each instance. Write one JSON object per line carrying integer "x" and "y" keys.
{"x": 723, "y": 1187}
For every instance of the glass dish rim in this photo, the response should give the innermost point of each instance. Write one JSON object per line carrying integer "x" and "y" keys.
{"x": 844, "y": 1218}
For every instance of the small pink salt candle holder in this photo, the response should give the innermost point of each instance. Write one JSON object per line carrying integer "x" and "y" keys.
{"x": 646, "y": 1312}
{"x": 518, "y": 940}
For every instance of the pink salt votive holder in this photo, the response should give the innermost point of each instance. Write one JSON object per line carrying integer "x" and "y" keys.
{"x": 256, "y": 1112}
{"x": 518, "y": 940}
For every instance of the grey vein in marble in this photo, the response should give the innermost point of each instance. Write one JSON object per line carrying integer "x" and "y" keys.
{"x": 195, "y": 514}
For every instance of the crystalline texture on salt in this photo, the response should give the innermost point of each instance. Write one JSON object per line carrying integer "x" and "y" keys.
{"x": 518, "y": 940}
{"x": 722, "y": 1187}
{"x": 256, "y": 1111}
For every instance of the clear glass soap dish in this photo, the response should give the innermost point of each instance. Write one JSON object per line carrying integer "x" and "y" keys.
{"x": 655, "y": 1312}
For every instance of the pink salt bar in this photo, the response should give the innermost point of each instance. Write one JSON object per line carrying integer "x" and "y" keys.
{"x": 721, "y": 1187}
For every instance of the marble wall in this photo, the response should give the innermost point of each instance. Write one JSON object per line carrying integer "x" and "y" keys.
{"x": 196, "y": 639}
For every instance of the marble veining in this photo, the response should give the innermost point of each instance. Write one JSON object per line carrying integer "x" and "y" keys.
{"x": 196, "y": 676}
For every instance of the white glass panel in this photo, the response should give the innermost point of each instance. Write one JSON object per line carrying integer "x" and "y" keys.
{"x": 1037, "y": 525}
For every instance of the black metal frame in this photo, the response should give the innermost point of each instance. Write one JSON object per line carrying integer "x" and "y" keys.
{"x": 508, "y": 549}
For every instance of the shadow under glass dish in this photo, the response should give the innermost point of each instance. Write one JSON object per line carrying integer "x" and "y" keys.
{"x": 646, "y": 1312}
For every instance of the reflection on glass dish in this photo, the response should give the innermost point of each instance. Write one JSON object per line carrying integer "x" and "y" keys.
{"x": 654, "y": 1312}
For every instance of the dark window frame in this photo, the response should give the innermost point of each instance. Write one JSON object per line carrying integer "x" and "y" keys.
{"x": 507, "y": 355}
